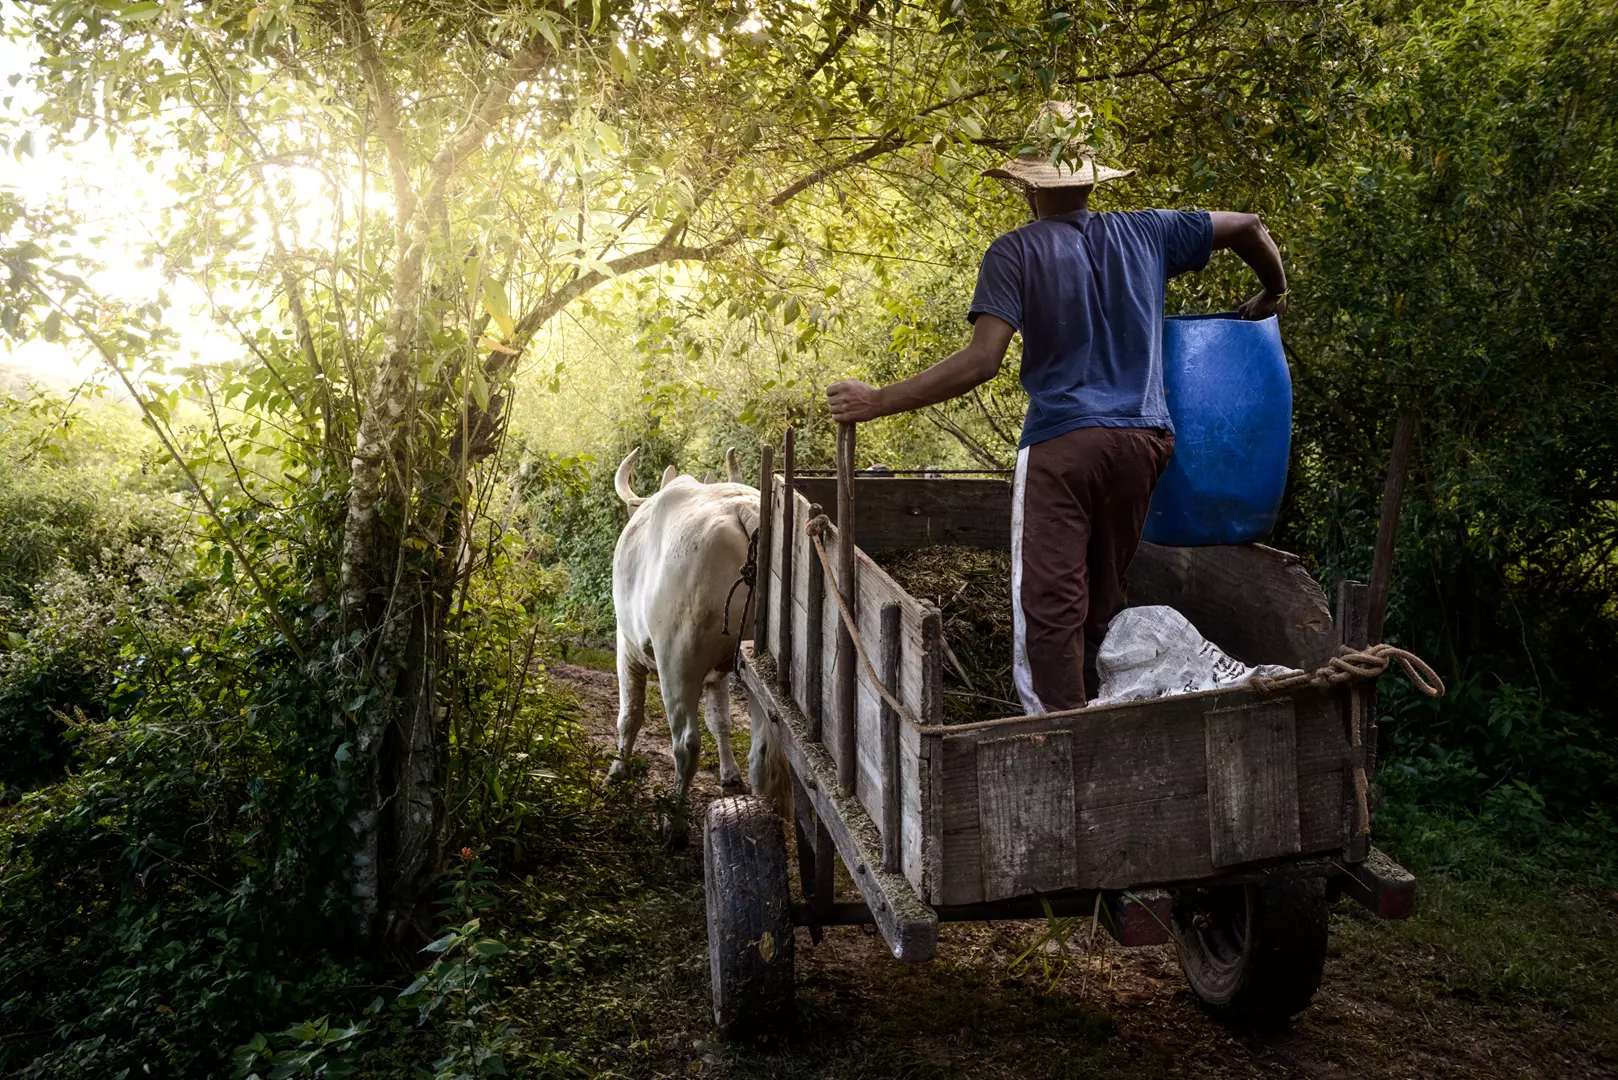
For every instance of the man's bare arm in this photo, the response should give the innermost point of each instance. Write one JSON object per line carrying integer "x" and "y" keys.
{"x": 1246, "y": 235}
{"x": 977, "y": 363}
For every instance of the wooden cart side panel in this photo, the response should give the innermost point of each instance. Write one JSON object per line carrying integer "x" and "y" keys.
{"x": 772, "y": 560}
{"x": 803, "y": 649}
{"x": 1258, "y": 604}
{"x": 919, "y": 677}
{"x": 1139, "y": 783}
{"x": 913, "y": 779}
{"x": 899, "y": 513}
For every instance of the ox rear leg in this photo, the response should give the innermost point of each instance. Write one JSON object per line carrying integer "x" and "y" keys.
{"x": 631, "y": 707}
{"x": 730, "y": 773}
{"x": 682, "y": 700}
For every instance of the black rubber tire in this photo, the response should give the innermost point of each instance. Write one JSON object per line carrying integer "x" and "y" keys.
{"x": 1253, "y": 954}
{"x": 750, "y": 934}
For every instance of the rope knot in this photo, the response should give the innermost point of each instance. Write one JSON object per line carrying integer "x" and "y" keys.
{"x": 817, "y": 526}
{"x": 1350, "y": 664}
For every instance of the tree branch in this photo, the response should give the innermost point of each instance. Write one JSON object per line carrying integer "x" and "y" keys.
{"x": 387, "y": 118}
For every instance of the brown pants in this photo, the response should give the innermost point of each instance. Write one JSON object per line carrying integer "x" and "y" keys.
{"x": 1078, "y": 507}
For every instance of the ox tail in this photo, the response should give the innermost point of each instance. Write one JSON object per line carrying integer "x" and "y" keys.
{"x": 767, "y": 770}
{"x": 620, "y": 481}
{"x": 733, "y": 466}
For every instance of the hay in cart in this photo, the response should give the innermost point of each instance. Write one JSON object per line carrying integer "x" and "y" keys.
{"x": 972, "y": 588}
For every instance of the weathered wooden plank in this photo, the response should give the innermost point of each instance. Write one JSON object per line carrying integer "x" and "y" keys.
{"x": 1258, "y": 604}
{"x": 784, "y": 659}
{"x": 1320, "y": 810}
{"x": 848, "y": 586}
{"x": 1252, "y": 782}
{"x": 930, "y": 794}
{"x": 766, "y": 541}
{"x": 961, "y": 840}
{"x": 1141, "y": 843}
{"x": 1154, "y": 753}
{"x": 1163, "y": 740}
{"x": 892, "y": 789}
{"x": 805, "y": 649}
{"x": 1321, "y": 739}
{"x": 1025, "y": 814}
{"x": 812, "y": 643}
{"x": 899, "y": 513}
{"x": 909, "y": 926}
{"x": 815, "y": 855}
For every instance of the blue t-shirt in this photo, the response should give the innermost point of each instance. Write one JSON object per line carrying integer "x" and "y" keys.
{"x": 1086, "y": 291}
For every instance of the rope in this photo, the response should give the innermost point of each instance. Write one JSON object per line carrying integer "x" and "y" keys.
{"x": 1350, "y": 664}
{"x": 746, "y": 576}
{"x": 815, "y": 529}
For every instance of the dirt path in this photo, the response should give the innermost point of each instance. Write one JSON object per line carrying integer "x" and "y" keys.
{"x": 1383, "y": 1010}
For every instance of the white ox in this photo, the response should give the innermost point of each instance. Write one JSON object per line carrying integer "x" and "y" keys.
{"x": 672, "y": 574}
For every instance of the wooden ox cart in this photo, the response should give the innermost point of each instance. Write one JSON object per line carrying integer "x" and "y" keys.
{"x": 1220, "y": 820}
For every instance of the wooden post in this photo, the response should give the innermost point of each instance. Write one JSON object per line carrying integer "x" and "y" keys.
{"x": 892, "y": 793}
{"x": 932, "y": 665}
{"x": 766, "y": 516}
{"x": 817, "y": 857}
{"x": 789, "y": 540}
{"x": 814, "y": 640}
{"x": 1387, "y": 530}
{"x": 1359, "y": 702}
{"x": 847, "y": 663}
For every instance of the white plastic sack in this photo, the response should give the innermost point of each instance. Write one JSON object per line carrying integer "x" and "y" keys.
{"x": 1153, "y": 652}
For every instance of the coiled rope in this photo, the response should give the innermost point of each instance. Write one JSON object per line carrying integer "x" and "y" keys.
{"x": 1351, "y": 663}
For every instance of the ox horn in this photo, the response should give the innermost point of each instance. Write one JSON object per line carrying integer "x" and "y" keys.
{"x": 620, "y": 481}
{"x": 733, "y": 466}
{"x": 668, "y": 477}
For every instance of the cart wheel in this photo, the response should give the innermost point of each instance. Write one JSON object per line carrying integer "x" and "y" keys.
{"x": 1253, "y": 954}
{"x": 750, "y": 938}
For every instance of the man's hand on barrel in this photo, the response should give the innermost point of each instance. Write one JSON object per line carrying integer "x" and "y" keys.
{"x": 852, "y": 401}
{"x": 1262, "y": 305}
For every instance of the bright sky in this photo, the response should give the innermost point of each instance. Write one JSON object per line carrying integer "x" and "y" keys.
{"x": 117, "y": 199}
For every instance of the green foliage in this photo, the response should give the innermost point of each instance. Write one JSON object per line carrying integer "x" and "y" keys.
{"x": 178, "y": 883}
{"x": 1461, "y": 266}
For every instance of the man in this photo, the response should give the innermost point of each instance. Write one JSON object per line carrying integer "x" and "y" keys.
{"x": 1086, "y": 291}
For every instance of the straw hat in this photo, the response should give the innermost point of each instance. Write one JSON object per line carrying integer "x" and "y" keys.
{"x": 1033, "y": 169}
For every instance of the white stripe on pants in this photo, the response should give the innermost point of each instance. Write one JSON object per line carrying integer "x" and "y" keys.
{"x": 1020, "y": 671}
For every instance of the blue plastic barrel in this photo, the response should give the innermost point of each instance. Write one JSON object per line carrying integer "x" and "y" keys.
{"x": 1230, "y": 396}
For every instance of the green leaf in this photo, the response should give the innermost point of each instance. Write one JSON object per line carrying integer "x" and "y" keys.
{"x": 480, "y": 388}
{"x": 490, "y": 947}
{"x": 494, "y": 300}
{"x": 547, "y": 30}
{"x": 51, "y": 328}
